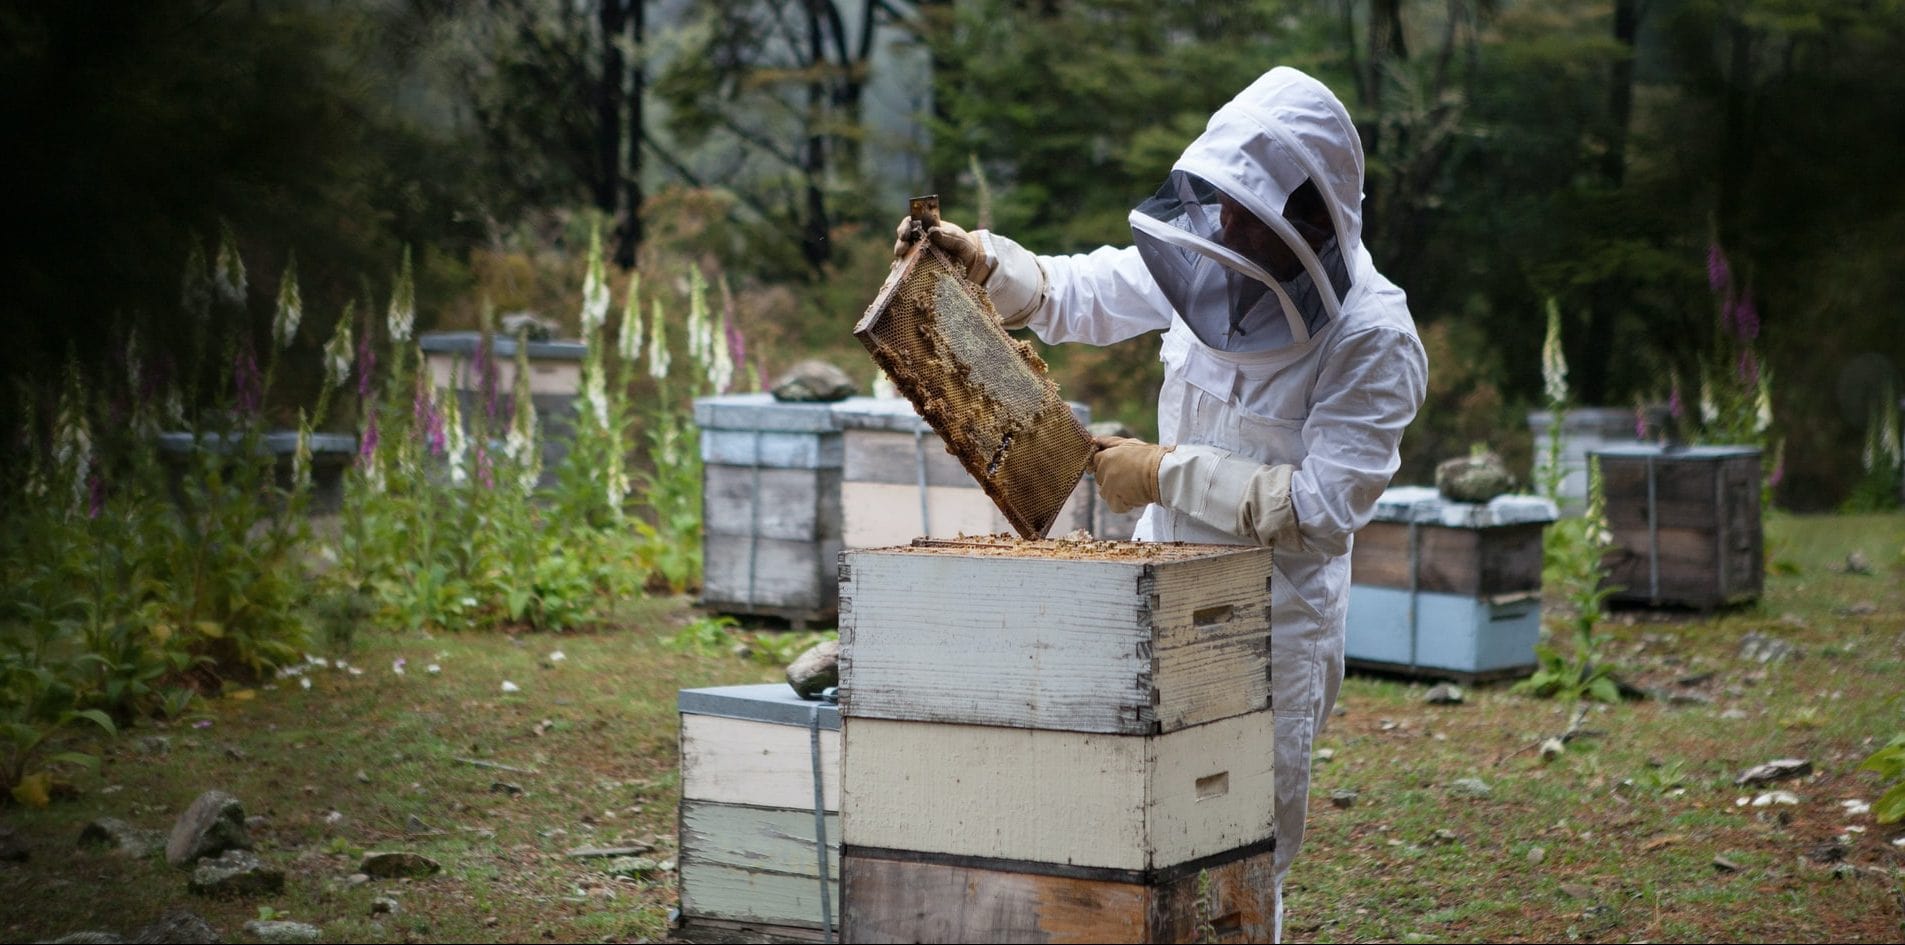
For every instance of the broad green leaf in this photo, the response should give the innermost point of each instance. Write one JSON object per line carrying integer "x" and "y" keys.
{"x": 1890, "y": 808}
{"x": 1603, "y": 688}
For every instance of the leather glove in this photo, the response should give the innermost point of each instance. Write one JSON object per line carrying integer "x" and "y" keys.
{"x": 1127, "y": 471}
{"x": 952, "y": 239}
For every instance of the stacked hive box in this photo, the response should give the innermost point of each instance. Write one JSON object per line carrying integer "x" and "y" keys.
{"x": 899, "y": 483}
{"x": 785, "y": 486}
{"x": 749, "y": 839}
{"x": 770, "y": 506}
{"x": 1686, "y": 524}
{"x": 1056, "y": 741}
{"x": 555, "y": 376}
{"x": 1447, "y": 588}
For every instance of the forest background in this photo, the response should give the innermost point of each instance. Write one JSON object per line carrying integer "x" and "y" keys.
{"x": 1599, "y": 157}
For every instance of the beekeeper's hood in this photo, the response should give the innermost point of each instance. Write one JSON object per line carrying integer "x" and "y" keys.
{"x": 1243, "y": 274}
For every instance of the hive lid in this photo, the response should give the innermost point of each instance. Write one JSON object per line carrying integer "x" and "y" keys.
{"x": 764, "y": 702}
{"x": 1425, "y": 506}
{"x": 936, "y": 334}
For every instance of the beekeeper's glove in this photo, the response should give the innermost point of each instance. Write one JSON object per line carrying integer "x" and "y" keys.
{"x": 1010, "y": 274}
{"x": 1126, "y": 471}
{"x": 965, "y": 248}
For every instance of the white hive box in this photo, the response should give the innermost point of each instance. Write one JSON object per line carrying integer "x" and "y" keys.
{"x": 749, "y": 854}
{"x": 1117, "y": 637}
{"x": 898, "y": 482}
{"x": 1447, "y": 588}
{"x": 770, "y": 506}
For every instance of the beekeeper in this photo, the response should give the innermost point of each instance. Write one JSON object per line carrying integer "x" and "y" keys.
{"x": 1291, "y": 368}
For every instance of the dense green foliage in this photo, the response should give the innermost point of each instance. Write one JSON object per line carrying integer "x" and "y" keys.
{"x": 1519, "y": 151}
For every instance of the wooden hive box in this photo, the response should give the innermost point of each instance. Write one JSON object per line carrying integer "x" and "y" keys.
{"x": 901, "y": 898}
{"x": 1117, "y": 637}
{"x": 1686, "y": 524}
{"x": 1056, "y": 741}
{"x": 770, "y": 506}
{"x": 749, "y": 855}
{"x": 899, "y": 483}
{"x": 1447, "y": 588}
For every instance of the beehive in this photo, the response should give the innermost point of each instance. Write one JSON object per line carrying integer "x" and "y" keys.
{"x": 770, "y": 506}
{"x": 936, "y": 335}
{"x": 1686, "y": 525}
{"x": 1056, "y": 741}
{"x": 1128, "y": 638}
{"x": 1442, "y": 588}
{"x": 749, "y": 841}
{"x": 898, "y": 482}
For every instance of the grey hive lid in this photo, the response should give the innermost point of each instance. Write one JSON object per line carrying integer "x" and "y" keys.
{"x": 501, "y": 346}
{"x": 762, "y": 412}
{"x": 764, "y": 702}
{"x": 1645, "y": 450}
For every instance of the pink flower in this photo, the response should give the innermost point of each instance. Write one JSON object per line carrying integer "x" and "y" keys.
{"x": 367, "y": 445}
{"x": 1747, "y": 370}
{"x": 366, "y": 363}
{"x": 1718, "y": 275}
{"x": 247, "y": 383}
{"x": 1746, "y": 320}
{"x": 485, "y": 468}
{"x": 1640, "y": 423}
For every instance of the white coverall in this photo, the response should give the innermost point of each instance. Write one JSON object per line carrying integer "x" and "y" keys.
{"x": 1332, "y": 407}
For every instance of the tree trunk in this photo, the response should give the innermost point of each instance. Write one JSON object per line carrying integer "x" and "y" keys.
{"x": 607, "y": 171}
{"x": 814, "y": 245}
{"x": 628, "y": 236}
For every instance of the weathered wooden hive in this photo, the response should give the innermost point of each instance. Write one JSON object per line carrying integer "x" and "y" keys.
{"x": 1442, "y": 588}
{"x": 1686, "y": 524}
{"x": 750, "y": 845}
{"x": 1054, "y": 741}
{"x": 937, "y": 336}
{"x": 770, "y": 502}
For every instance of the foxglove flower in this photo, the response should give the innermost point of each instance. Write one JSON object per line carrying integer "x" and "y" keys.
{"x": 301, "y": 459}
{"x": 1746, "y": 368}
{"x": 1746, "y": 320}
{"x": 1763, "y": 406}
{"x": 697, "y": 317}
{"x": 456, "y": 442}
{"x": 402, "y": 316}
{"x": 657, "y": 343}
{"x": 284, "y": 326}
{"x": 337, "y": 351}
{"x": 595, "y": 288}
{"x": 629, "y": 343}
{"x": 1554, "y": 364}
{"x": 721, "y": 365}
{"x": 595, "y": 397}
{"x": 1718, "y": 276}
{"x": 366, "y": 363}
{"x": 248, "y": 388}
{"x": 228, "y": 272}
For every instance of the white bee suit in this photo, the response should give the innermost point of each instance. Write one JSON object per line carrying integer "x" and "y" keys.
{"x": 1310, "y": 425}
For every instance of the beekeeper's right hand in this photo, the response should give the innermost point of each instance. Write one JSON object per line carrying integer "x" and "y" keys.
{"x": 965, "y": 248}
{"x": 1010, "y": 274}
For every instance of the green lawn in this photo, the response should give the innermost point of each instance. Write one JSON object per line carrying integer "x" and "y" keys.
{"x": 1614, "y": 840}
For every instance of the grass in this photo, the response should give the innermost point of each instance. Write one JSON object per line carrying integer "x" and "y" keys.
{"x": 1614, "y": 840}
